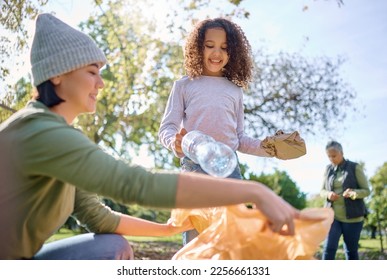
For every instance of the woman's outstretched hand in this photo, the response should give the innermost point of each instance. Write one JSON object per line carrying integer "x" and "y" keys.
{"x": 280, "y": 213}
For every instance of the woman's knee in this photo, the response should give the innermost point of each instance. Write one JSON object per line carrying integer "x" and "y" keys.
{"x": 122, "y": 248}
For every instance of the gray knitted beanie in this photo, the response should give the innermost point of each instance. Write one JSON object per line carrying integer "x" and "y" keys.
{"x": 57, "y": 48}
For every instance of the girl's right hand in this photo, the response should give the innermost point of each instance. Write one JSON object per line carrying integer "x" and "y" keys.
{"x": 177, "y": 143}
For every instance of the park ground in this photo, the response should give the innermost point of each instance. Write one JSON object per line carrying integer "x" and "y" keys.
{"x": 163, "y": 248}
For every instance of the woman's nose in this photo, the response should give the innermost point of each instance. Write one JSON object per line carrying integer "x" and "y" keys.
{"x": 100, "y": 83}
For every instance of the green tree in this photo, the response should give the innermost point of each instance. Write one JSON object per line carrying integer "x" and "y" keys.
{"x": 13, "y": 39}
{"x": 283, "y": 185}
{"x": 21, "y": 93}
{"x": 315, "y": 201}
{"x": 15, "y": 14}
{"x": 378, "y": 203}
{"x": 137, "y": 79}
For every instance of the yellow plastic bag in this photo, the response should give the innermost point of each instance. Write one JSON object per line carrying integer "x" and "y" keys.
{"x": 239, "y": 233}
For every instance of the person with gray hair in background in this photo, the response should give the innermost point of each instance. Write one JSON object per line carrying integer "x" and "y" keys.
{"x": 344, "y": 188}
{"x": 57, "y": 171}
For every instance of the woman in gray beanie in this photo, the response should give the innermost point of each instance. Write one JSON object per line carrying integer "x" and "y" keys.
{"x": 54, "y": 171}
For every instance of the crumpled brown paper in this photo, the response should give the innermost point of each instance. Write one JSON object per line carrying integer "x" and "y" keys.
{"x": 239, "y": 233}
{"x": 284, "y": 145}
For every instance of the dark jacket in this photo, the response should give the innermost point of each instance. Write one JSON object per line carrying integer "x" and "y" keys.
{"x": 354, "y": 208}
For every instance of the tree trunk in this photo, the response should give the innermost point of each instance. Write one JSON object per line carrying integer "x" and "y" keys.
{"x": 380, "y": 231}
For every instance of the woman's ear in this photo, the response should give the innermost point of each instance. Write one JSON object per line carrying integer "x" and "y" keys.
{"x": 56, "y": 80}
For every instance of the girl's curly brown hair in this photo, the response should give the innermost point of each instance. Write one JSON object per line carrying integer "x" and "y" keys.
{"x": 240, "y": 65}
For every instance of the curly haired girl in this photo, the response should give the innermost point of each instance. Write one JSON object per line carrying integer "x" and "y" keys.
{"x": 237, "y": 65}
{"x": 218, "y": 63}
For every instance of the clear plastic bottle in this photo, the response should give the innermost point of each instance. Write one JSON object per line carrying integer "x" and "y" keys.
{"x": 216, "y": 158}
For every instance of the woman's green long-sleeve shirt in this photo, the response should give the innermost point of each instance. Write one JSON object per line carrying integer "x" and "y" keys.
{"x": 339, "y": 205}
{"x": 52, "y": 170}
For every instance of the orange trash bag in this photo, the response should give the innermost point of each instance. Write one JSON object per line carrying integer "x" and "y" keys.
{"x": 239, "y": 233}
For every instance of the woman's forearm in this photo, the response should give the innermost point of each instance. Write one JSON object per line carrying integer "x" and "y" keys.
{"x": 133, "y": 226}
{"x": 198, "y": 191}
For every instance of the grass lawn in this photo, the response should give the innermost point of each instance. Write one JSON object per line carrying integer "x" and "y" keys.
{"x": 369, "y": 249}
